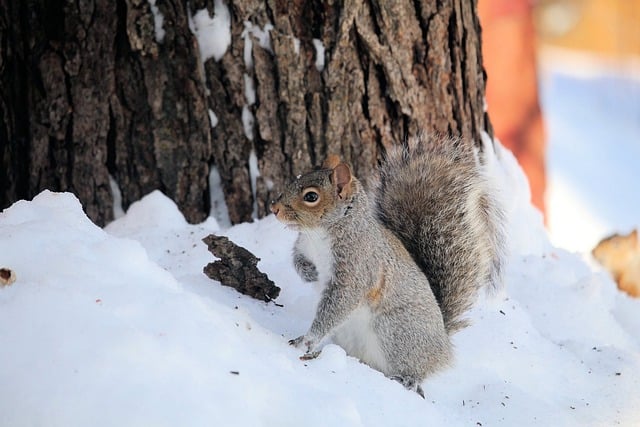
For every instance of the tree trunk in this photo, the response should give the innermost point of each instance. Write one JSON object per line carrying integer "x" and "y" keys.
{"x": 100, "y": 87}
{"x": 87, "y": 90}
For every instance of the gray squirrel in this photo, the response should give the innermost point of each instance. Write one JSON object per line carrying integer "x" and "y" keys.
{"x": 402, "y": 266}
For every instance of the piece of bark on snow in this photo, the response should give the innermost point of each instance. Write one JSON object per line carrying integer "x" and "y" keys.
{"x": 237, "y": 268}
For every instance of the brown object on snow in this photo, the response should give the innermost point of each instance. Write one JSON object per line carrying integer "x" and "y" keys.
{"x": 7, "y": 277}
{"x": 237, "y": 268}
{"x": 620, "y": 255}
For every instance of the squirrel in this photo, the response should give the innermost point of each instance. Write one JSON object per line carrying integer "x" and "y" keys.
{"x": 401, "y": 266}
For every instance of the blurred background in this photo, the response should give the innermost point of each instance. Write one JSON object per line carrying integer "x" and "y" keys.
{"x": 563, "y": 93}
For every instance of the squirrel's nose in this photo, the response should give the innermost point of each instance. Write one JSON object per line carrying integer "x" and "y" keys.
{"x": 274, "y": 208}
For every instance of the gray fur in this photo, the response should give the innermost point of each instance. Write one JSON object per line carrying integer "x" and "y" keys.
{"x": 434, "y": 196}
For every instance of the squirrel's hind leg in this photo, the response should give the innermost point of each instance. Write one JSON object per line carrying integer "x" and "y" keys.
{"x": 409, "y": 383}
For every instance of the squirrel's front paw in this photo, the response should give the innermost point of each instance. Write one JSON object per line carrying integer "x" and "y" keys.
{"x": 305, "y": 268}
{"x": 296, "y": 341}
{"x": 309, "y": 344}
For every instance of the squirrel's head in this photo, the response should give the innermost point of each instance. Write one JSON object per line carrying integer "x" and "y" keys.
{"x": 317, "y": 197}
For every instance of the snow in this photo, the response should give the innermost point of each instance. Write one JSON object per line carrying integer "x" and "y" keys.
{"x": 249, "y": 89}
{"x": 248, "y": 46}
{"x": 262, "y": 36}
{"x": 296, "y": 45}
{"x": 254, "y": 173}
{"x": 317, "y": 44}
{"x": 119, "y": 326}
{"x": 523, "y": 224}
{"x": 158, "y": 21}
{"x": 118, "y": 211}
{"x": 213, "y": 33}
{"x": 248, "y": 121}
{"x": 219, "y": 209}
{"x": 213, "y": 119}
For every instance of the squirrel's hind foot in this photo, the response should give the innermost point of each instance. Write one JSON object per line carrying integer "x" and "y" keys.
{"x": 409, "y": 383}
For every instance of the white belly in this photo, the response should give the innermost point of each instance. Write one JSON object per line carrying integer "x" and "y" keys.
{"x": 316, "y": 246}
{"x": 357, "y": 337}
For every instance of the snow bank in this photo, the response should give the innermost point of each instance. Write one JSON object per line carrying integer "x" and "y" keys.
{"x": 121, "y": 327}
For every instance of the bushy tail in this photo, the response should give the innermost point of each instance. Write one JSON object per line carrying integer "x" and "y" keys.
{"x": 434, "y": 195}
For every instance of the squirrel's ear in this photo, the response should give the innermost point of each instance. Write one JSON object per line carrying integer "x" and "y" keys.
{"x": 341, "y": 178}
{"x": 331, "y": 161}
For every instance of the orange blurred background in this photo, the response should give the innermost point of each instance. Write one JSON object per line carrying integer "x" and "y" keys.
{"x": 514, "y": 34}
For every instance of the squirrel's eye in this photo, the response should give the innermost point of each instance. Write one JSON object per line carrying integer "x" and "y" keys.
{"x": 310, "y": 197}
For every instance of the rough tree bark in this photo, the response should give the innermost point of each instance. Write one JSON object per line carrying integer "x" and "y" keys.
{"x": 87, "y": 90}
{"x": 90, "y": 88}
